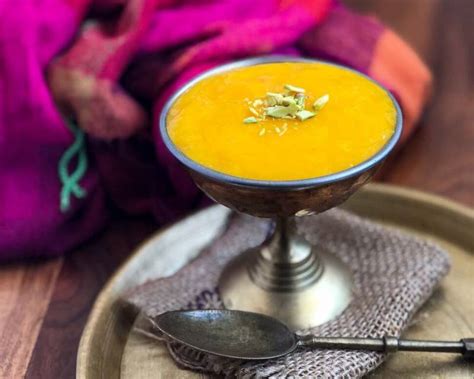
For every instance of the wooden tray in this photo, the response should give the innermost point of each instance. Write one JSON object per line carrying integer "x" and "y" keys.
{"x": 109, "y": 347}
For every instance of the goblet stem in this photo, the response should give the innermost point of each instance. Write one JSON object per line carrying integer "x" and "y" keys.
{"x": 285, "y": 262}
{"x": 284, "y": 246}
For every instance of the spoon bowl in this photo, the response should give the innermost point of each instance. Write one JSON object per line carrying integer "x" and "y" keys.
{"x": 233, "y": 334}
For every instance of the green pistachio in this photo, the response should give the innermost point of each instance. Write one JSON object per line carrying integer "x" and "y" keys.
{"x": 287, "y": 100}
{"x": 304, "y": 115}
{"x": 321, "y": 102}
{"x": 300, "y": 100}
{"x": 292, "y": 88}
{"x": 279, "y": 111}
{"x": 250, "y": 120}
{"x": 274, "y": 98}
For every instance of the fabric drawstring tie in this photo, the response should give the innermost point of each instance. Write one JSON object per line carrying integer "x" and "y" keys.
{"x": 70, "y": 182}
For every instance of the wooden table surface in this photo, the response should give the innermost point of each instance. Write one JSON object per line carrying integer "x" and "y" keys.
{"x": 44, "y": 305}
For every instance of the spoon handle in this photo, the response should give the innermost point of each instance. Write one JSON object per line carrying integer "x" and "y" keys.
{"x": 390, "y": 344}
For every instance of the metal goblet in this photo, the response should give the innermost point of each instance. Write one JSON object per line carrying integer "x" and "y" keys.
{"x": 285, "y": 277}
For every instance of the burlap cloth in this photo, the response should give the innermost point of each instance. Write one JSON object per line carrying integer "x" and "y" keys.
{"x": 394, "y": 274}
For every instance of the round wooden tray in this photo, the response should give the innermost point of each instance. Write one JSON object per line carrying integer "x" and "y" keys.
{"x": 109, "y": 347}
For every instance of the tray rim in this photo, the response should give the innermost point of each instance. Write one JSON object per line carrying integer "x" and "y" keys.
{"x": 106, "y": 294}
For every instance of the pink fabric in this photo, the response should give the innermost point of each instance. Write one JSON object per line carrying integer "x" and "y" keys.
{"x": 33, "y": 136}
{"x": 111, "y": 64}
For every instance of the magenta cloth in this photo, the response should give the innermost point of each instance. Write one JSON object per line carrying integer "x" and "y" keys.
{"x": 129, "y": 57}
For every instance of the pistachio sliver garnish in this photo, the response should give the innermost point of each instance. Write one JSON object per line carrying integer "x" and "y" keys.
{"x": 253, "y": 111}
{"x": 250, "y": 120}
{"x": 274, "y": 98}
{"x": 257, "y": 103}
{"x": 288, "y": 100}
{"x": 277, "y": 111}
{"x": 292, "y": 88}
{"x": 321, "y": 102}
{"x": 289, "y": 104}
{"x": 300, "y": 100}
{"x": 304, "y": 115}
{"x": 280, "y": 111}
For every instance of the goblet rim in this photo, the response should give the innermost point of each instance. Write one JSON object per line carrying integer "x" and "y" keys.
{"x": 219, "y": 176}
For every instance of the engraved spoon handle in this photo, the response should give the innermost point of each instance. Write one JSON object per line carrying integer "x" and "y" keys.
{"x": 390, "y": 344}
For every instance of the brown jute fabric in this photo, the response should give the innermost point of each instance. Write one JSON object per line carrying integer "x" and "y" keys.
{"x": 394, "y": 274}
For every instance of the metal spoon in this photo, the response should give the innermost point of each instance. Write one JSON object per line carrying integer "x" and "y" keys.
{"x": 246, "y": 335}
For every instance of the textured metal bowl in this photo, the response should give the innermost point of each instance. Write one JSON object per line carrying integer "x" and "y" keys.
{"x": 264, "y": 198}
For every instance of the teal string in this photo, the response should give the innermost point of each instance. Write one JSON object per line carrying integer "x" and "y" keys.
{"x": 70, "y": 182}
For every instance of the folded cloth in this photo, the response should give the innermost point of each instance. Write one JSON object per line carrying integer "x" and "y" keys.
{"x": 394, "y": 273}
{"x": 109, "y": 65}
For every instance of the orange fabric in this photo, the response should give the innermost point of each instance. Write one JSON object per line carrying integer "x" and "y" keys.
{"x": 396, "y": 65}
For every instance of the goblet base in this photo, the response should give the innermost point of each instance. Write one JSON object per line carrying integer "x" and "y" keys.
{"x": 303, "y": 293}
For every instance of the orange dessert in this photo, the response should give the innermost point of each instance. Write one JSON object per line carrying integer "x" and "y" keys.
{"x": 282, "y": 121}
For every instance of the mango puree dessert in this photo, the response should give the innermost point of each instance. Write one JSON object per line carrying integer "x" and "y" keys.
{"x": 282, "y": 121}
